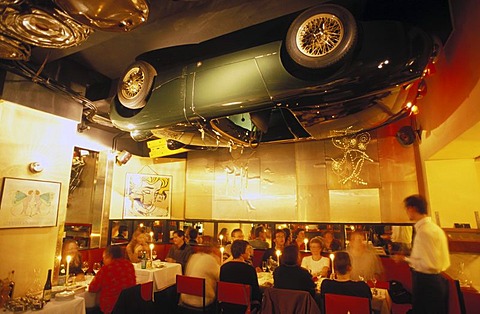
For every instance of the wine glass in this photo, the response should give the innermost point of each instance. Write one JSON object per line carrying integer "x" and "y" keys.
{"x": 374, "y": 281}
{"x": 85, "y": 267}
{"x": 96, "y": 267}
{"x": 154, "y": 254}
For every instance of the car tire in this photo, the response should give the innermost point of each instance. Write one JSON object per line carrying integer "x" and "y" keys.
{"x": 308, "y": 50}
{"x": 135, "y": 85}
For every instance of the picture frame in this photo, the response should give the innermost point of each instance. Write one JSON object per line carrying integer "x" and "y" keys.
{"x": 27, "y": 203}
{"x": 147, "y": 196}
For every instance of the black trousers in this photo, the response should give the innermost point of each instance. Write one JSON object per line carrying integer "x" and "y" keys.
{"x": 429, "y": 293}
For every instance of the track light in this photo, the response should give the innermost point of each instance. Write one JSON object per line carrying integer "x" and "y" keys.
{"x": 123, "y": 157}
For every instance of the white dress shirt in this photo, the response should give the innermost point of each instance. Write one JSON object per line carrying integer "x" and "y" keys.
{"x": 204, "y": 266}
{"x": 430, "y": 253}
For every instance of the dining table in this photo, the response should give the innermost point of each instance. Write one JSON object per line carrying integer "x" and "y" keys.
{"x": 163, "y": 274}
{"x": 76, "y": 305}
{"x": 381, "y": 302}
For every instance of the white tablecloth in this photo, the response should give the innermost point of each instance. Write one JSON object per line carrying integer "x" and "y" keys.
{"x": 162, "y": 277}
{"x": 74, "y": 306}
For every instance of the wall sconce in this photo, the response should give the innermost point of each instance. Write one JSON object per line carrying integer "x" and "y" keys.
{"x": 35, "y": 167}
{"x": 123, "y": 157}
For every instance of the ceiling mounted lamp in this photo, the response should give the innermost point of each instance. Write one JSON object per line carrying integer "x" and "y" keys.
{"x": 43, "y": 28}
{"x": 12, "y": 49}
{"x": 107, "y": 15}
{"x": 123, "y": 157}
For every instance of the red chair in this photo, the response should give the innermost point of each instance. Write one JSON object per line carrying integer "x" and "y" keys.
{"x": 339, "y": 303}
{"x": 234, "y": 293}
{"x": 456, "y": 304}
{"x": 192, "y": 286}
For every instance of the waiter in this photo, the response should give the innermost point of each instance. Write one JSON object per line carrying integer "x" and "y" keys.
{"x": 429, "y": 257}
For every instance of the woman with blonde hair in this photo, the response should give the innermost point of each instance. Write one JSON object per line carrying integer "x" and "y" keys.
{"x": 138, "y": 244}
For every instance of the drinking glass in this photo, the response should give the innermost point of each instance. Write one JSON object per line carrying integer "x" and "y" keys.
{"x": 85, "y": 267}
{"x": 96, "y": 268}
{"x": 154, "y": 254}
{"x": 374, "y": 281}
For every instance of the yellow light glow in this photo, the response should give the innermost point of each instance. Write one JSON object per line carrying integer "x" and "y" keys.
{"x": 151, "y": 246}
{"x": 69, "y": 259}
{"x": 415, "y": 109}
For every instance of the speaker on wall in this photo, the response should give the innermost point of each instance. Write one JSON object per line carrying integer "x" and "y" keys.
{"x": 406, "y": 135}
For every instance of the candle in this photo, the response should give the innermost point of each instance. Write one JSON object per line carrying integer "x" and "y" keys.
{"x": 151, "y": 235}
{"x": 151, "y": 251}
{"x": 278, "y": 252}
{"x": 69, "y": 259}
{"x": 332, "y": 257}
{"x": 222, "y": 249}
{"x": 221, "y": 240}
{"x": 306, "y": 243}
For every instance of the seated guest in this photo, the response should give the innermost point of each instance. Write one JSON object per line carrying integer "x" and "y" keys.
{"x": 237, "y": 271}
{"x": 180, "y": 251}
{"x": 122, "y": 235}
{"x": 278, "y": 244}
{"x": 258, "y": 241}
{"x": 289, "y": 275}
{"x": 192, "y": 236}
{"x": 116, "y": 274}
{"x": 343, "y": 284}
{"x": 366, "y": 264}
{"x": 237, "y": 234}
{"x": 317, "y": 264}
{"x": 137, "y": 245}
{"x": 70, "y": 248}
{"x": 288, "y": 236}
{"x": 203, "y": 265}
{"x": 299, "y": 237}
{"x": 330, "y": 244}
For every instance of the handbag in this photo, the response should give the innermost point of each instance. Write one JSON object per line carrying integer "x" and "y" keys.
{"x": 398, "y": 293}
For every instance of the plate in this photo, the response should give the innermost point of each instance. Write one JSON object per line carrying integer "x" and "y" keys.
{"x": 65, "y": 296}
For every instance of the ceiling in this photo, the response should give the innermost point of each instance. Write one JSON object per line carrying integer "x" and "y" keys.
{"x": 102, "y": 58}
{"x": 179, "y": 22}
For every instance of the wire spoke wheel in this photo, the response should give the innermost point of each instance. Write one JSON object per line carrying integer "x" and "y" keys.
{"x": 132, "y": 83}
{"x": 320, "y": 35}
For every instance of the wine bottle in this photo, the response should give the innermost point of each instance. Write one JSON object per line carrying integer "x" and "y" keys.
{"x": 11, "y": 284}
{"x": 47, "y": 289}
{"x": 61, "y": 275}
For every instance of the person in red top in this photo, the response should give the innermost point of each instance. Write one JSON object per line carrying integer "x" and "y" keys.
{"x": 116, "y": 275}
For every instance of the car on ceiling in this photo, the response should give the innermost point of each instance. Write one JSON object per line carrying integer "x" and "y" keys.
{"x": 310, "y": 75}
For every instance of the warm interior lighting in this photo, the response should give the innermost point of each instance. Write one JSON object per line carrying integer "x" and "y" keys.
{"x": 414, "y": 110}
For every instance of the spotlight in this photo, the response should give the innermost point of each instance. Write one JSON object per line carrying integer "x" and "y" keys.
{"x": 123, "y": 157}
{"x": 35, "y": 167}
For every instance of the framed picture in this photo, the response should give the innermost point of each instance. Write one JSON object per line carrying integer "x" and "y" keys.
{"x": 29, "y": 203}
{"x": 147, "y": 196}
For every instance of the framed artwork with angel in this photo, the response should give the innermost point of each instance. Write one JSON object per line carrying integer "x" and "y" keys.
{"x": 29, "y": 203}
